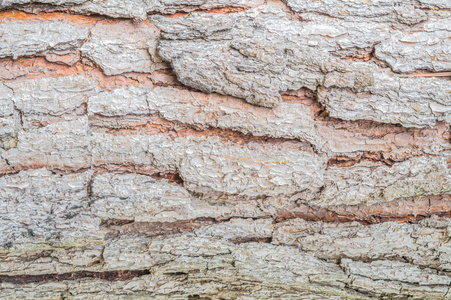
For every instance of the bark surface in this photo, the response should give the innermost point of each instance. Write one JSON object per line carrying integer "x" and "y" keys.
{"x": 227, "y": 149}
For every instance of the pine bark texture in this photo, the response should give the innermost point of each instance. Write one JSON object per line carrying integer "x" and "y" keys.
{"x": 225, "y": 149}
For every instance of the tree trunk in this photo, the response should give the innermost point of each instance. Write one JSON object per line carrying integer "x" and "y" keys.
{"x": 225, "y": 149}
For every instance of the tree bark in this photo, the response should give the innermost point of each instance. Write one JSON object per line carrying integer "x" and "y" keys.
{"x": 226, "y": 149}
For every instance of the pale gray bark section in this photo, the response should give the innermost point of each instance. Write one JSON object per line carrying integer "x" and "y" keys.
{"x": 51, "y": 96}
{"x": 249, "y": 55}
{"x": 379, "y": 10}
{"x": 116, "y": 48}
{"x": 120, "y": 102}
{"x": 31, "y": 37}
{"x": 9, "y": 119}
{"x": 428, "y": 50}
{"x": 411, "y": 102}
{"x": 256, "y": 54}
{"x": 314, "y": 259}
{"x": 122, "y": 48}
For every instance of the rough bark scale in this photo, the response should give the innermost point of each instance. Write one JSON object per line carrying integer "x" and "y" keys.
{"x": 259, "y": 149}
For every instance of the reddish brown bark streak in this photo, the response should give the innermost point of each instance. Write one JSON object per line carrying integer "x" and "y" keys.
{"x": 154, "y": 229}
{"x": 108, "y": 275}
{"x": 407, "y": 210}
{"x": 344, "y": 161}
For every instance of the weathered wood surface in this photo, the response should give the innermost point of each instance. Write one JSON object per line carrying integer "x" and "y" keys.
{"x": 225, "y": 149}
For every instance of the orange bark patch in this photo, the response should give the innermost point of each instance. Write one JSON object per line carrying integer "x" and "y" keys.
{"x": 7, "y": 15}
{"x": 39, "y": 67}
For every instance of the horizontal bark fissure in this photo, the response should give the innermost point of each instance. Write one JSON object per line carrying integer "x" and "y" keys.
{"x": 435, "y": 8}
{"x": 442, "y": 75}
{"x": 404, "y": 210}
{"x": 27, "y": 11}
{"x": 221, "y": 10}
{"x": 400, "y": 281}
{"x": 171, "y": 177}
{"x": 345, "y": 161}
{"x": 16, "y": 13}
{"x": 410, "y": 210}
{"x": 119, "y": 275}
{"x": 40, "y": 67}
{"x": 371, "y": 129}
{"x": 117, "y": 228}
{"x": 252, "y": 240}
{"x": 160, "y": 125}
